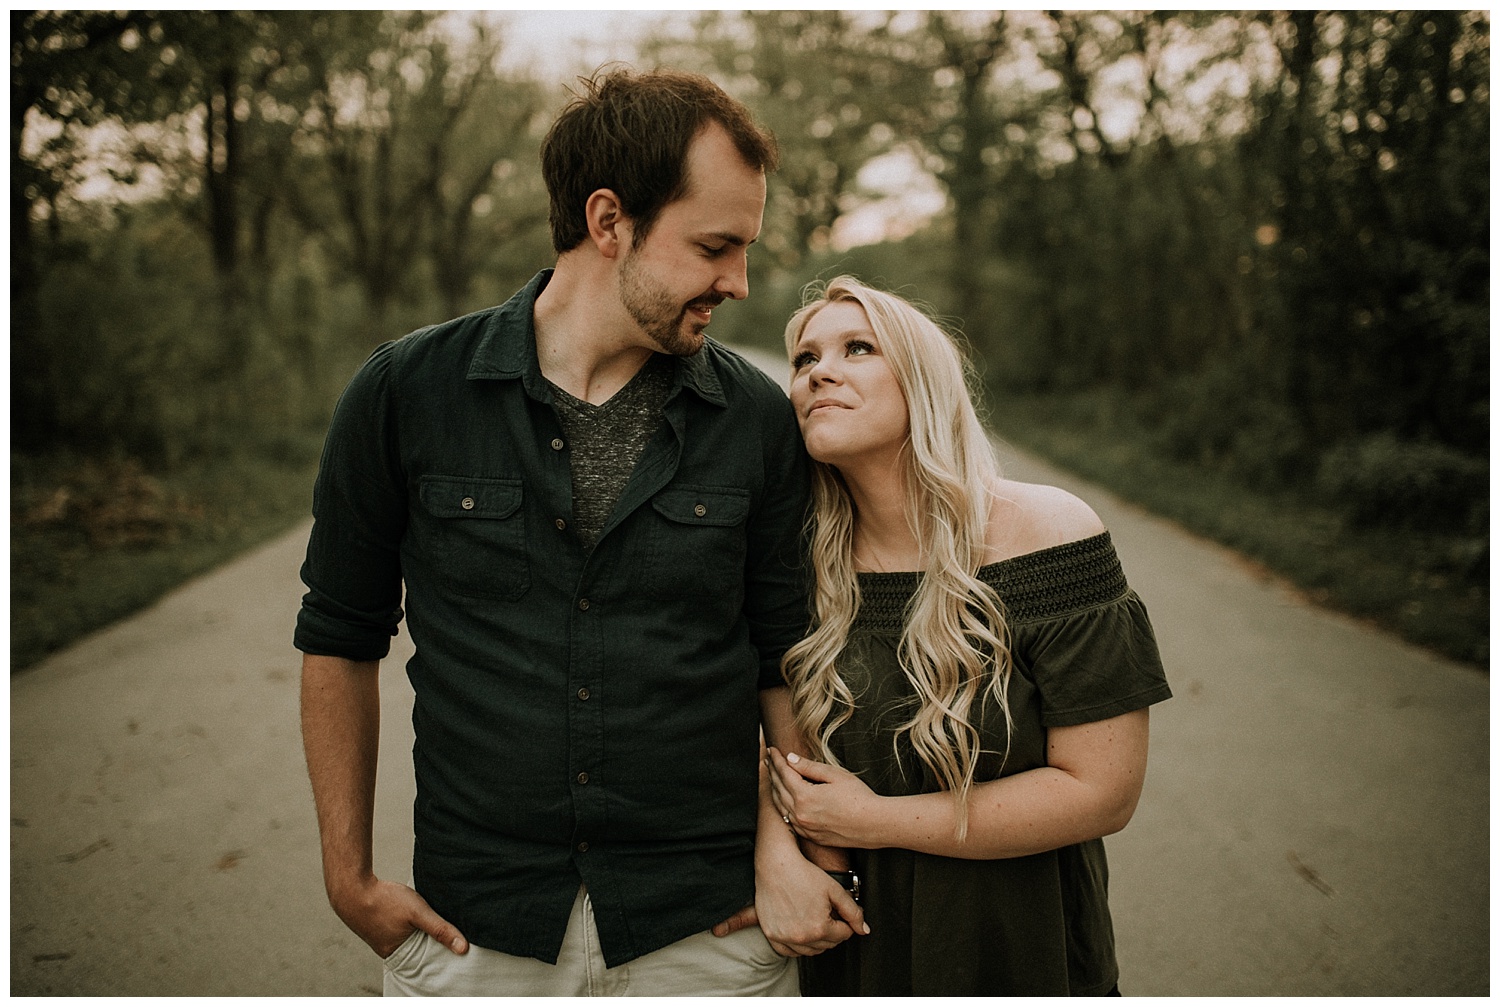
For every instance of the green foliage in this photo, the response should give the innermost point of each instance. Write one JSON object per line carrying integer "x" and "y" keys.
{"x": 1429, "y": 585}
{"x": 114, "y": 318}
{"x": 1266, "y": 313}
{"x": 366, "y": 180}
{"x": 1385, "y": 480}
{"x": 1254, "y": 244}
{"x": 93, "y": 540}
{"x": 1375, "y": 163}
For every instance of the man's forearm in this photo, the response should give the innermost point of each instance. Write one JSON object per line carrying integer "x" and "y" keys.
{"x": 780, "y": 727}
{"x": 341, "y": 738}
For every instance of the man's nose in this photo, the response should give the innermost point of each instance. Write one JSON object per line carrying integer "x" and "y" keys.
{"x": 734, "y": 282}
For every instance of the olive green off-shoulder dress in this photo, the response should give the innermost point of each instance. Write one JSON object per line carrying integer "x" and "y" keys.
{"x": 1083, "y": 651}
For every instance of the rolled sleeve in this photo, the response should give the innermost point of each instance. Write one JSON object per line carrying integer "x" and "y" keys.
{"x": 352, "y": 607}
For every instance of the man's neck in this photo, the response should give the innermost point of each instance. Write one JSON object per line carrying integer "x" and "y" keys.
{"x": 586, "y": 343}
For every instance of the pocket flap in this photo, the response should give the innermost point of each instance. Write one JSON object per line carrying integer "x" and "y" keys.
{"x": 718, "y": 506}
{"x": 469, "y": 496}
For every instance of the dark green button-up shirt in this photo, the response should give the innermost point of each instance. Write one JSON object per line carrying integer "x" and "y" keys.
{"x": 581, "y": 715}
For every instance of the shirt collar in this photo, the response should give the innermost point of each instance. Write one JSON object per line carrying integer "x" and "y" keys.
{"x": 508, "y": 349}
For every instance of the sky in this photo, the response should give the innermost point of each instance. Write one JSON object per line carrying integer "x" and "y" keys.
{"x": 571, "y": 40}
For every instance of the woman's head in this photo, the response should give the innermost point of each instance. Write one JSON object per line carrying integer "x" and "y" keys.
{"x": 866, "y": 355}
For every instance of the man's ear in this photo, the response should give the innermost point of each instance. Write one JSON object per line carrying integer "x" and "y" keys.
{"x": 609, "y": 228}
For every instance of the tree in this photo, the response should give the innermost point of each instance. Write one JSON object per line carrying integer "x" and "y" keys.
{"x": 1375, "y": 149}
{"x": 404, "y": 146}
{"x": 58, "y": 62}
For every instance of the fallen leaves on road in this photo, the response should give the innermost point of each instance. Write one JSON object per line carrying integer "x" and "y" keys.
{"x": 87, "y": 851}
{"x": 231, "y": 860}
{"x": 1308, "y": 874}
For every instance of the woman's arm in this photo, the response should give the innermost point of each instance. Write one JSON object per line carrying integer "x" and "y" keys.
{"x": 1089, "y": 788}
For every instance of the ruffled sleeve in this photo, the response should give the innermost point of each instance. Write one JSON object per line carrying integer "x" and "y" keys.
{"x": 1081, "y": 634}
{"x": 1095, "y": 664}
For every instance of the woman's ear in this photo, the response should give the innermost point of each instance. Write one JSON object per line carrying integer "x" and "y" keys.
{"x": 609, "y": 228}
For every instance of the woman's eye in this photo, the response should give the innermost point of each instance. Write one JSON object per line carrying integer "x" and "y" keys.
{"x": 802, "y": 360}
{"x": 859, "y": 347}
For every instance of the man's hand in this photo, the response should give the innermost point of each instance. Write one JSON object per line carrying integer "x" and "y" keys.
{"x": 825, "y": 858}
{"x": 746, "y": 917}
{"x": 801, "y": 910}
{"x": 805, "y": 912}
{"x": 384, "y": 914}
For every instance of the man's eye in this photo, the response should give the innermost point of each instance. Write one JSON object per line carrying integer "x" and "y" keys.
{"x": 711, "y": 250}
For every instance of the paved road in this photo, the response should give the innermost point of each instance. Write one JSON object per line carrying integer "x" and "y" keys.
{"x": 1315, "y": 820}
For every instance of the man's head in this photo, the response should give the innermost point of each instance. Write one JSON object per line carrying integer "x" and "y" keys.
{"x": 630, "y": 133}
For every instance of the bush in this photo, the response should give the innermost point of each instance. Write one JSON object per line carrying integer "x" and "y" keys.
{"x": 1384, "y": 480}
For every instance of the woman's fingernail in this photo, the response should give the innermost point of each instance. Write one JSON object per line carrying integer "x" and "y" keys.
{"x": 793, "y": 758}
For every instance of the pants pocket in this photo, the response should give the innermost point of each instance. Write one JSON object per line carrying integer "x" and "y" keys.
{"x": 408, "y": 956}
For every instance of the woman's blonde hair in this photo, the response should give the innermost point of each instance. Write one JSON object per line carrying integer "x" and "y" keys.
{"x": 954, "y": 647}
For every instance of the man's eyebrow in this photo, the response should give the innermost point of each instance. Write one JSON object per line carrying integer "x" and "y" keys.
{"x": 732, "y": 239}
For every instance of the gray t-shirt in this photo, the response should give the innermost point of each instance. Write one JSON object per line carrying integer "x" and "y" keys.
{"x": 606, "y": 440}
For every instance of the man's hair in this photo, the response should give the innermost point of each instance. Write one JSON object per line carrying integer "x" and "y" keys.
{"x": 629, "y": 132}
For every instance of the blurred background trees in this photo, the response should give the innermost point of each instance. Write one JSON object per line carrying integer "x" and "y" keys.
{"x": 1260, "y": 239}
{"x": 1252, "y": 243}
{"x": 215, "y": 215}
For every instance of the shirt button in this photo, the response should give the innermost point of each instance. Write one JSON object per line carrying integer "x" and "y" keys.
{"x": 467, "y": 503}
{"x": 583, "y": 604}
{"x": 700, "y": 510}
{"x": 557, "y": 444}
{"x": 583, "y": 693}
{"x": 561, "y": 524}
{"x": 583, "y": 847}
{"x": 583, "y": 777}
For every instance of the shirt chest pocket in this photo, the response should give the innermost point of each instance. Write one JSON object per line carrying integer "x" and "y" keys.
{"x": 473, "y": 535}
{"x": 698, "y": 544}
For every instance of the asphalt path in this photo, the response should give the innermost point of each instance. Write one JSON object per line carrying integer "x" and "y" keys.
{"x": 1315, "y": 819}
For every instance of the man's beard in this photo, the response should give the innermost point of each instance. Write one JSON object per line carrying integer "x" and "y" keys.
{"x": 658, "y": 315}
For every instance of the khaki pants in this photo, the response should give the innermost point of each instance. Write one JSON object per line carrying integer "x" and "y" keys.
{"x": 741, "y": 964}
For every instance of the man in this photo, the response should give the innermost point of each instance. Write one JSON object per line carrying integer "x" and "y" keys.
{"x": 596, "y": 516}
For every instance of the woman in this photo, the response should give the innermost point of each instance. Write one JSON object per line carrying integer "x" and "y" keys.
{"x": 976, "y": 683}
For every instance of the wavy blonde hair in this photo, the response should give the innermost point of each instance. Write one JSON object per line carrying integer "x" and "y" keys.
{"x": 954, "y": 647}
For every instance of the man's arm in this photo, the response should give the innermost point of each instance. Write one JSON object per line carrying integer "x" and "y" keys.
{"x": 341, "y": 736}
{"x": 799, "y": 907}
{"x": 779, "y": 725}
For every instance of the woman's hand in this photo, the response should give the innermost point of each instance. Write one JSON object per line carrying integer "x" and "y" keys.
{"x": 824, "y": 803}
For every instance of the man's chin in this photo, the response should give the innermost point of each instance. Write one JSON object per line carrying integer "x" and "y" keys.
{"x": 687, "y": 340}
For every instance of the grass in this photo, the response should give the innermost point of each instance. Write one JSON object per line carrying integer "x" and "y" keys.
{"x": 1431, "y": 588}
{"x": 93, "y": 541}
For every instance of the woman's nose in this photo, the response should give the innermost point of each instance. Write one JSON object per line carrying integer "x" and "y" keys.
{"x": 823, "y": 370}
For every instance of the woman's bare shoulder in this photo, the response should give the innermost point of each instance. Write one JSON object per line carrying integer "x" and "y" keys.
{"x": 1029, "y": 517}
